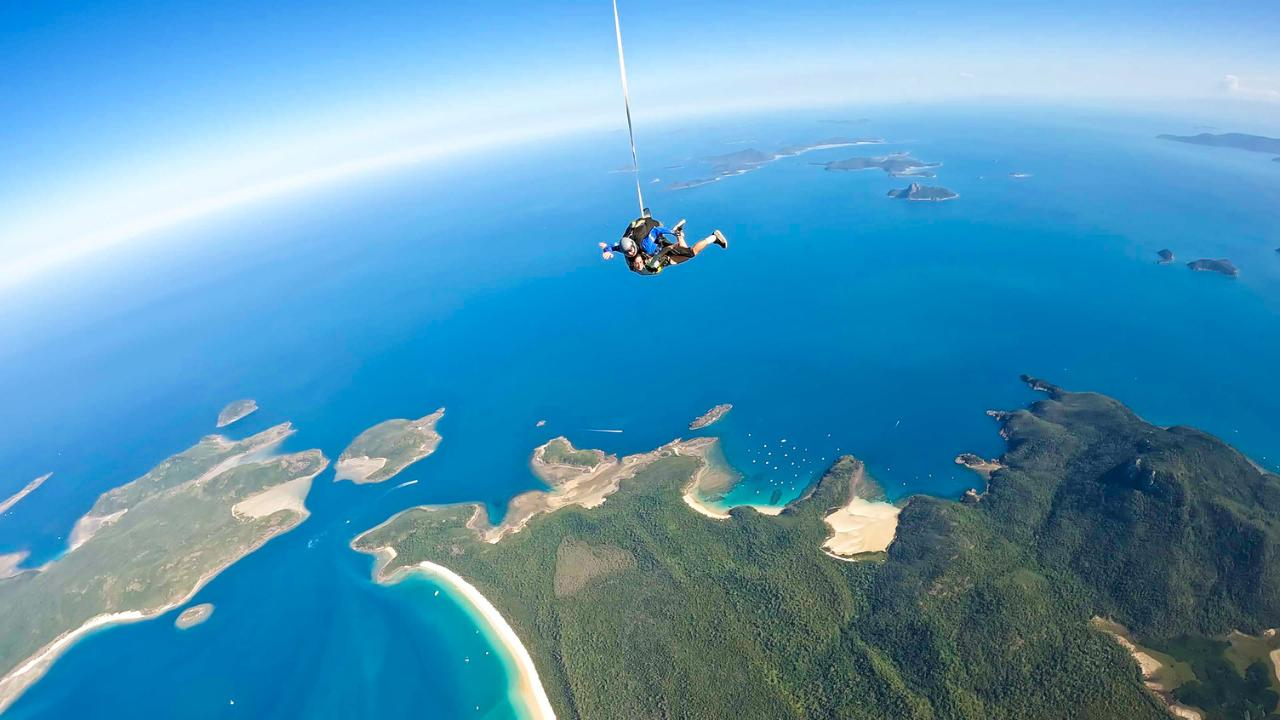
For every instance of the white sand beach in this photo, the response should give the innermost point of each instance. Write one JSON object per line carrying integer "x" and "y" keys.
{"x": 861, "y": 526}
{"x": 528, "y": 687}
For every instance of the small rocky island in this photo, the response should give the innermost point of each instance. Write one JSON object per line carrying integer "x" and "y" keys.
{"x": 1221, "y": 265}
{"x": 193, "y": 616}
{"x": 711, "y": 416}
{"x": 925, "y": 193}
{"x": 236, "y": 410}
{"x": 1165, "y": 256}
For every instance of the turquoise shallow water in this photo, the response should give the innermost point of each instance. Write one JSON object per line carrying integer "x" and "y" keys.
{"x": 839, "y": 320}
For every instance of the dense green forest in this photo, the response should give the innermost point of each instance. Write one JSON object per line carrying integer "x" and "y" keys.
{"x": 641, "y": 608}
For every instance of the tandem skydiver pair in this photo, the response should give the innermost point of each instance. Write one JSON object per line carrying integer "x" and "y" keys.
{"x": 647, "y": 249}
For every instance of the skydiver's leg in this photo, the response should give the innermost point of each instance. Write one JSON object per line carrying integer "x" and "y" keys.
{"x": 717, "y": 237}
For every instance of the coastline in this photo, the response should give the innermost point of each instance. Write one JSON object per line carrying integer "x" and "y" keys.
{"x": 527, "y": 692}
{"x": 18, "y": 680}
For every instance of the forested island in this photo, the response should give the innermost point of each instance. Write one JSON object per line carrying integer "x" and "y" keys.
{"x": 236, "y": 410}
{"x": 1221, "y": 266}
{"x": 635, "y": 605}
{"x": 193, "y": 616}
{"x": 1164, "y": 257}
{"x": 1238, "y": 141}
{"x": 744, "y": 161}
{"x": 896, "y": 165}
{"x": 384, "y": 450}
{"x": 148, "y": 546}
{"x": 924, "y": 193}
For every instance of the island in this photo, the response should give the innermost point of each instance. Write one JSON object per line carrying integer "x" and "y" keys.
{"x": 711, "y": 416}
{"x": 1222, "y": 266}
{"x": 896, "y": 165}
{"x": 29, "y": 488}
{"x": 384, "y": 450}
{"x": 1238, "y": 141}
{"x": 1164, "y": 257}
{"x": 148, "y": 546}
{"x": 633, "y": 603}
{"x": 828, "y": 144}
{"x": 236, "y": 410}
{"x": 193, "y": 616}
{"x": 1019, "y": 175}
{"x": 923, "y": 193}
{"x": 744, "y": 161}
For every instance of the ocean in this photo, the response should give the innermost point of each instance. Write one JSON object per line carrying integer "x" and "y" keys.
{"x": 839, "y": 320}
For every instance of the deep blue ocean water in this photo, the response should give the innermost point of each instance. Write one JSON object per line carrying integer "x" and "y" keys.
{"x": 839, "y": 319}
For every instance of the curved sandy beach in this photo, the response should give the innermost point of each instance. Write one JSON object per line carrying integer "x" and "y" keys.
{"x": 529, "y": 688}
{"x": 20, "y": 678}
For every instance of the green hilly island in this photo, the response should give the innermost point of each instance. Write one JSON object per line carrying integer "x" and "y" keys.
{"x": 1098, "y": 535}
{"x": 148, "y": 546}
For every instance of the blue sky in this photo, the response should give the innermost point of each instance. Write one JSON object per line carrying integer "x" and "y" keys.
{"x": 116, "y": 111}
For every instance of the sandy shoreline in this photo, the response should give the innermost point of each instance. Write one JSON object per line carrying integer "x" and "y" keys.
{"x": 528, "y": 692}
{"x": 33, "y": 668}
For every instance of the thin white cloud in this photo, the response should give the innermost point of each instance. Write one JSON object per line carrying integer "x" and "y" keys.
{"x": 1233, "y": 86}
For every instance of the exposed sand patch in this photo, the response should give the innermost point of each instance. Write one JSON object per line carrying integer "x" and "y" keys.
{"x": 25, "y": 491}
{"x": 357, "y": 469}
{"x": 86, "y": 526}
{"x": 290, "y": 496}
{"x": 861, "y": 526}
{"x": 9, "y": 563}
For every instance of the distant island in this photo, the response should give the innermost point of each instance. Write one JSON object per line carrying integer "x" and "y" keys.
{"x": 193, "y": 616}
{"x": 711, "y": 416}
{"x": 148, "y": 546}
{"x": 382, "y": 451}
{"x": 1238, "y": 141}
{"x": 1222, "y": 266}
{"x": 744, "y": 161}
{"x": 30, "y": 487}
{"x": 1164, "y": 257}
{"x": 1167, "y": 533}
{"x": 1019, "y": 175}
{"x": 896, "y": 165}
{"x": 924, "y": 193}
{"x": 236, "y": 410}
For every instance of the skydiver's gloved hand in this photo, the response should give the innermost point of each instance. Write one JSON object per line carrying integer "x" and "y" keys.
{"x": 606, "y": 252}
